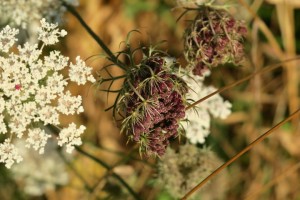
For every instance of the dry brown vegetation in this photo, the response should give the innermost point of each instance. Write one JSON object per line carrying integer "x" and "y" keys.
{"x": 270, "y": 170}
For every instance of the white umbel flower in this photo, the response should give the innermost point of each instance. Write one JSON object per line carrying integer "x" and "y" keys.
{"x": 49, "y": 33}
{"x": 49, "y": 115}
{"x": 70, "y": 137}
{"x": 33, "y": 90}
{"x": 69, "y": 105}
{"x": 7, "y": 38}
{"x": 29, "y": 53}
{"x": 18, "y": 125}
{"x": 37, "y": 139}
{"x": 56, "y": 83}
{"x": 56, "y": 61}
{"x": 9, "y": 154}
{"x": 80, "y": 73}
{"x": 197, "y": 124}
{"x": 44, "y": 95}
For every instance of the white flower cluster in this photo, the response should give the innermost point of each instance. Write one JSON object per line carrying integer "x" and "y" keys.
{"x": 197, "y": 125}
{"x": 32, "y": 92}
{"x": 49, "y": 33}
{"x": 9, "y": 153}
{"x": 70, "y": 136}
{"x": 24, "y": 12}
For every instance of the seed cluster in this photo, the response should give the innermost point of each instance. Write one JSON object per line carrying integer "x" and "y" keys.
{"x": 153, "y": 104}
{"x": 181, "y": 169}
{"x": 213, "y": 38}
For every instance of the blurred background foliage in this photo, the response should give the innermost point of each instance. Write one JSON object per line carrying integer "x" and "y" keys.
{"x": 269, "y": 171}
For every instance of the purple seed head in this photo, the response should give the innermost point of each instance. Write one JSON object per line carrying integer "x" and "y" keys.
{"x": 154, "y": 106}
{"x": 213, "y": 38}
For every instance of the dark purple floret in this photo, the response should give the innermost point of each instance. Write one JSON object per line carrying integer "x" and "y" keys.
{"x": 159, "y": 105}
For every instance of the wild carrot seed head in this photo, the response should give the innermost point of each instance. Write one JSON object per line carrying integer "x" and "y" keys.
{"x": 213, "y": 38}
{"x": 153, "y": 104}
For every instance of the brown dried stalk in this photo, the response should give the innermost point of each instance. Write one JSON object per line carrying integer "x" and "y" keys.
{"x": 263, "y": 70}
{"x": 250, "y": 146}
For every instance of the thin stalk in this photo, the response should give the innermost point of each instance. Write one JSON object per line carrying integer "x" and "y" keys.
{"x": 135, "y": 91}
{"x": 265, "y": 69}
{"x": 86, "y": 185}
{"x": 113, "y": 78}
{"x": 122, "y": 154}
{"x": 56, "y": 130}
{"x": 109, "y": 169}
{"x": 112, "y": 57}
{"x": 250, "y": 146}
{"x": 291, "y": 170}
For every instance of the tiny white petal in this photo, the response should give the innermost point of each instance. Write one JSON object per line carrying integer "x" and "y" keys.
{"x": 49, "y": 33}
{"x": 7, "y": 38}
{"x": 80, "y": 73}
{"x": 197, "y": 127}
{"x": 68, "y": 104}
{"x": 70, "y": 137}
{"x": 37, "y": 139}
{"x": 9, "y": 154}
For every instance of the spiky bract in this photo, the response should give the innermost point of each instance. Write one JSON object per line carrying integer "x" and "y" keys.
{"x": 152, "y": 103}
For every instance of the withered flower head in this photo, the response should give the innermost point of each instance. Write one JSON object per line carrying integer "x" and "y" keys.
{"x": 152, "y": 103}
{"x": 180, "y": 171}
{"x": 213, "y": 38}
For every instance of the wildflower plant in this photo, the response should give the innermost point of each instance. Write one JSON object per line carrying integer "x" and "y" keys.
{"x": 213, "y": 38}
{"x": 33, "y": 94}
{"x": 151, "y": 102}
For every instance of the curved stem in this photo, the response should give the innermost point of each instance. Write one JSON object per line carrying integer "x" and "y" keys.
{"x": 250, "y": 146}
{"x": 112, "y": 57}
{"x": 109, "y": 169}
{"x": 113, "y": 78}
{"x": 56, "y": 130}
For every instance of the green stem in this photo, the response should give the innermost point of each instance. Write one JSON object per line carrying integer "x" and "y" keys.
{"x": 113, "y": 78}
{"x": 121, "y": 154}
{"x": 109, "y": 169}
{"x": 111, "y": 56}
{"x": 56, "y": 130}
